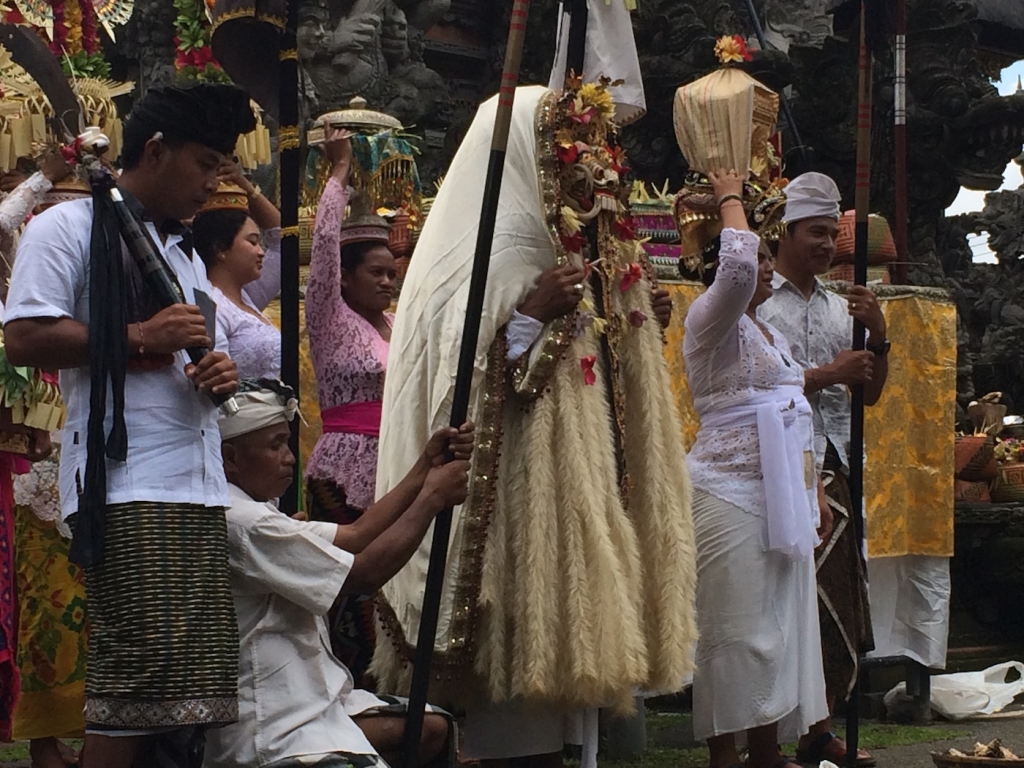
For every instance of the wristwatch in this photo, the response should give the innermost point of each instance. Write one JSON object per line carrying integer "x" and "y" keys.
{"x": 879, "y": 349}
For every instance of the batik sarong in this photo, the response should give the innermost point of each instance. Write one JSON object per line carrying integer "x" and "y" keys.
{"x": 163, "y": 642}
{"x": 842, "y": 588}
{"x": 351, "y": 621}
{"x": 51, "y": 632}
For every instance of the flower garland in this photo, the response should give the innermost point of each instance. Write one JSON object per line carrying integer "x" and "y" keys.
{"x": 76, "y": 39}
{"x": 1009, "y": 450}
{"x": 585, "y": 144}
{"x": 194, "y": 59}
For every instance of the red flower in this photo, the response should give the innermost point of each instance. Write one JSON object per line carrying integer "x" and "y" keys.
{"x": 71, "y": 153}
{"x": 583, "y": 117}
{"x": 587, "y": 365}
{"x": 567, "y": 154}
{"x": 637, "y": 318}
{"x": 573, "y": 243}
{"x": 202, "y": 56}
{"x": 90, "y": 40}
{"x": 618, "y": 154}
{"x": 744, "y": 52}
{"x": 630, "y": 276}
{"x": 625, "y": 229}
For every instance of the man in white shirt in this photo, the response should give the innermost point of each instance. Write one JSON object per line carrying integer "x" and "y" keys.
{"x": 818, "y": 324}
{"x": 141, "y": 471}
{"x": 297, "y": 702}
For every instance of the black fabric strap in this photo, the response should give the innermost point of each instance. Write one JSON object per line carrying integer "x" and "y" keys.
{"x": 108, "y": 360}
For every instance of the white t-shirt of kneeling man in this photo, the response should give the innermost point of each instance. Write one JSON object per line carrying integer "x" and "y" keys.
{"x": 295, "y": 698}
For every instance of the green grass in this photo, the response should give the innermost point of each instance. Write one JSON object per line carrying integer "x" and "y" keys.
{"x": 19, "y": 750}
{"x": 11, "y": 752}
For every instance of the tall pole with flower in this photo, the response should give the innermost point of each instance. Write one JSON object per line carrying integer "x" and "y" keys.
{"x": 464, "y": 377}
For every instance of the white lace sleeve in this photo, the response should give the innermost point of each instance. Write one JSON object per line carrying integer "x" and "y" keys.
{"x": 19, "y": 204}
{"x": 719, "y": 308}
{"x": 264, "y": 289}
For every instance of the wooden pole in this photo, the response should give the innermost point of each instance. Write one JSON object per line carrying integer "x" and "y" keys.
{"x": 900, "y": 234}
{"x": 464, "y": 377}
{"x": 289, "y": 170}
{"x": 860, "y": 271}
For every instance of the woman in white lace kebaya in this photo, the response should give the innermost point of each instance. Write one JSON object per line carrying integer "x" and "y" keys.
{"x": 756, "y": 507}
{"x": 239, "y": 241}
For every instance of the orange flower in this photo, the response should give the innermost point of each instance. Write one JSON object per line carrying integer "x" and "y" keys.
{"x": 732, "y": 50}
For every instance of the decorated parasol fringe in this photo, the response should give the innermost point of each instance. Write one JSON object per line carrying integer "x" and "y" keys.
{"x": 253, "y": 149}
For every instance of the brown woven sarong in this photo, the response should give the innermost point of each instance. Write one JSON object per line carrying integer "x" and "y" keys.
{"x": 163, "y": 643}
{"x": 842, "y": 589}
{"x": 352, "y": 620}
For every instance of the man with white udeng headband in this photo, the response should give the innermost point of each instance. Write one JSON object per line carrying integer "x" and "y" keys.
{"x": 297, "y": 703}
{"x": 818, "y": 324}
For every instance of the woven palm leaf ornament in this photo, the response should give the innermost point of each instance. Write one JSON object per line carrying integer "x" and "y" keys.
{"x": 110, "y": 13}
{"x": 24, "y": 128}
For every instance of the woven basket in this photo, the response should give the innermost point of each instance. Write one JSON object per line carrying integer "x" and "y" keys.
{"x": 974, "y": 492}
{"x": 974, "y": 457}
{"x": 881, "y": 246}
{"x": 1008, "y": 485}
{"x": 943, "y": 760}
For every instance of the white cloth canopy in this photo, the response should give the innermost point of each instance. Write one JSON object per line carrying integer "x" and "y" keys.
{"x": 610, "y": 52}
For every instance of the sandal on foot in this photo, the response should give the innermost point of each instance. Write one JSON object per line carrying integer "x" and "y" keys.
{"x": 817, "y": 751}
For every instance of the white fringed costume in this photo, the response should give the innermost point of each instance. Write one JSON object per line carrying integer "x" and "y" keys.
{"x": 563, "y": 587}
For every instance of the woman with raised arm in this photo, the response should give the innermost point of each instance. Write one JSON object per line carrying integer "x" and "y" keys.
{"x": 755, "y": 509}
{"x": 351, "y": 286}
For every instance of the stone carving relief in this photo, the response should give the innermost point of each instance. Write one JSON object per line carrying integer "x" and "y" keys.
{"x": 796, "y": 22}
{"x": 369, "y": 48}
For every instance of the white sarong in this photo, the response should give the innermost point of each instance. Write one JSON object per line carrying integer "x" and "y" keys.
{"x": 759, "y": 647}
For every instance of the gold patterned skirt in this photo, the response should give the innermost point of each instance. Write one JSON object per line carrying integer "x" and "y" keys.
{"x": 52, "y": 632}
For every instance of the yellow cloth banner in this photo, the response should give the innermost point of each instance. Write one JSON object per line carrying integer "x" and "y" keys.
{"x": 908, "y": 434}
{"x": 309, "y": 405}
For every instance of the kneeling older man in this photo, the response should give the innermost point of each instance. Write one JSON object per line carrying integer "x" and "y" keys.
{"x": 297, "y": 703}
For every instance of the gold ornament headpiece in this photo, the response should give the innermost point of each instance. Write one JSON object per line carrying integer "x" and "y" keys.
{"x": 228, "y": 197}
{"x": 699, "y": 221}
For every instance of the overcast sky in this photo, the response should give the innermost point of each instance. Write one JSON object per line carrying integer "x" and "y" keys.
{"x": 969, "y": 200}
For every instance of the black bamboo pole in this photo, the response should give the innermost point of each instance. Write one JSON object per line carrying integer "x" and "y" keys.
{"x": 464, "y": 376}
{"x": 860, "y": 273}
{"x": 787, "y": 111}
{"x": 288, "y": 178}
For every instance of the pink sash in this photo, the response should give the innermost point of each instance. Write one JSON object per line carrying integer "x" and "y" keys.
{"x": 354, "y": 418}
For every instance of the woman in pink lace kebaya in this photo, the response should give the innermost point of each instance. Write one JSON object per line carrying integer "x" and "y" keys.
{"x": 351, "y": 285}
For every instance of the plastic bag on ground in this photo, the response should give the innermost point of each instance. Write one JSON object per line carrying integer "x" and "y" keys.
{"x": 970, "y": 694}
